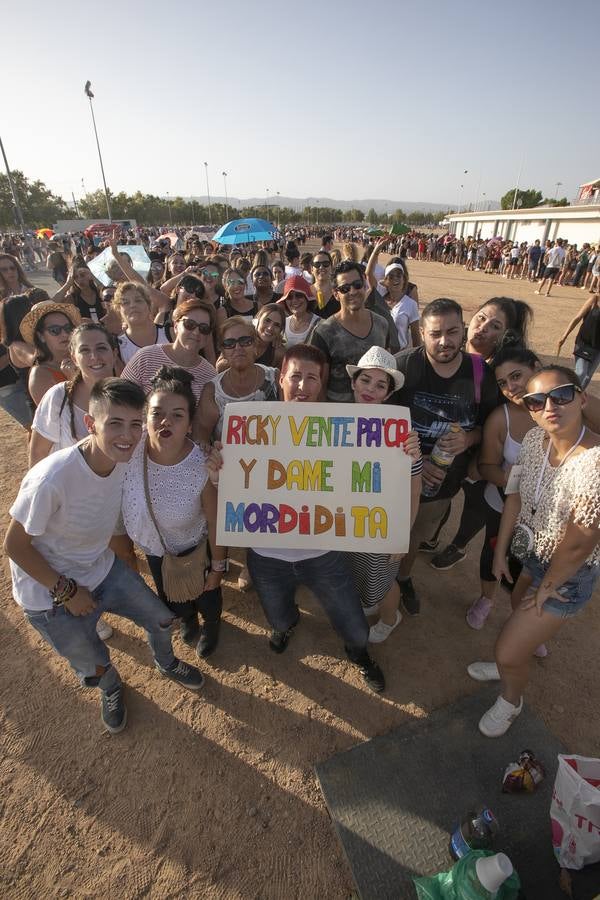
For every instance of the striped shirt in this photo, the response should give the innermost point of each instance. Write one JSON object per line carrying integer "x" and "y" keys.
{"x": 143, "y": 366}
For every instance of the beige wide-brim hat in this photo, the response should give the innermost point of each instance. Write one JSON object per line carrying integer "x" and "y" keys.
{"x": 378, "y": 358}
{"x": 28, "y": 323}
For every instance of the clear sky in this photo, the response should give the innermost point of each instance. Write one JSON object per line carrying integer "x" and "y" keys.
{"x": 388, "y": 99}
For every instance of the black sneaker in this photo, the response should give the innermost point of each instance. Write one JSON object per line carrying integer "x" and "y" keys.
{"x": 428, "y": 546}
{"x": 369, "y": 670}
{"x": 189, "y": 630}
{"x": 278, "y": 640}
{"x": 188, "y": 676}
{"x": 410, "y": 601}
{"x": 209, "y": 638}
{"x": 114, "y": 711}
{"x": 448, "y": 558}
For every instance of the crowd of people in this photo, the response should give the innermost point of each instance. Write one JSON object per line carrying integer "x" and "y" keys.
{"x": 122, "y": 391}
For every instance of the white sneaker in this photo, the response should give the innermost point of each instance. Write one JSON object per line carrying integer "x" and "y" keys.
{"x": 499, "y": 717}
{"x": 484, "y": 671}
{"x": 103, "y": 629}
{"x": 381, "y": 631}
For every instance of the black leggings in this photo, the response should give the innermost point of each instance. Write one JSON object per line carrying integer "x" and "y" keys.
{"x": 209, "y": 604}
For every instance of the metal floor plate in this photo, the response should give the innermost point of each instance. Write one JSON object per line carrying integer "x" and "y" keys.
{"x": 394, "y": 799}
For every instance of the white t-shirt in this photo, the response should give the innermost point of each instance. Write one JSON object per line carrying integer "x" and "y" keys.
{"x": 404, "y": 313}
{"x": 55, "y": 425}
{"x": 71, "y": 514}
{"x": 555, "y": 258}
{"x": 299, "y": 337}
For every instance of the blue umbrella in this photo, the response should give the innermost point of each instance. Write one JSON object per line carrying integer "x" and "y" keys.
{"x": 245, "y": 231}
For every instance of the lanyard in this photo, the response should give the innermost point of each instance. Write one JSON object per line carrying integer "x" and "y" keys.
{"x": 538, "y": 487}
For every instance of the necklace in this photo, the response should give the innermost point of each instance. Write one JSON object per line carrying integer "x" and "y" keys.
{"x": 538, "y": 488}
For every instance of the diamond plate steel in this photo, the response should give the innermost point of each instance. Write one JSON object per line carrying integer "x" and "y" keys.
{"x": 394, "y": 800}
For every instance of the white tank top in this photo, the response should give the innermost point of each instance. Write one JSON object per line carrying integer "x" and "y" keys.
{"x": 510, "y": 454}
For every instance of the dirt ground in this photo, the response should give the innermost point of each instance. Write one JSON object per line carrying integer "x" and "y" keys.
{"x": 214, "y": 795}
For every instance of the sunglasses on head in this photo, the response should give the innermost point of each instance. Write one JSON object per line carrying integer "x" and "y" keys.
{"x": 345, "y": 288}
{"x": 321, "y": 264}
{"x": 55, "y": 330}
{"x": 191, "y": 325}
{"x": 560, "y": 396}
{"x": 246, "y": 340}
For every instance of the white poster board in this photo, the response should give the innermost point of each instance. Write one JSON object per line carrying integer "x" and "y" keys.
{"x": 104, "y": 264}
{"x": 310, "y": 476}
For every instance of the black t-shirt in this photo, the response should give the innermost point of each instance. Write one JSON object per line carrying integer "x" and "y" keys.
{"x": 94, "y": 312}
{"x": 435, "y": 403}
{"x": 7, "y": 373}
{"x": 15, "y": 310}
{"x": 331, "y": 307}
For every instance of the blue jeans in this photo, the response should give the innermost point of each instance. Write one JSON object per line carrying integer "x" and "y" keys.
{"x": 123, "y": 593}
{"x": 327, "y": 577}
{"x": 13, "y": 400}
{"x": 585, "y": 368}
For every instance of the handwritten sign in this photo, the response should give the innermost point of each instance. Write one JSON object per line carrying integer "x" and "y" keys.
{"x": 311, "y": 476}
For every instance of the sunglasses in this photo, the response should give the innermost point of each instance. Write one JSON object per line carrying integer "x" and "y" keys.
{"x": 296, "y": 295}
{"x": 560, "y": 396}
{"x": 262, "y": 274}
{"x": 321, "y": 264}
{"x": 232, "y": 281}
{"x": 345, "y": 288}
{"x": 191, "y": 325}
{"x": 55, "y": 330}
{"x": 209, "y": 274}
{"x": 245, "y": 341}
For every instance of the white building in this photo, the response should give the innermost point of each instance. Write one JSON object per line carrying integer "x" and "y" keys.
{"x": 577, "y": 223}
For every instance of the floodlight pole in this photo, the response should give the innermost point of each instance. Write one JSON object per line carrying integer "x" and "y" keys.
{"x": 13, "y": 191}
{"x": 90, "y": 96}
{"x": 208, "y": 194}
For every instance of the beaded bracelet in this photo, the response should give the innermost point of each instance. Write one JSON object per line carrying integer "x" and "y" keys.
{"x": 63, "y": 591}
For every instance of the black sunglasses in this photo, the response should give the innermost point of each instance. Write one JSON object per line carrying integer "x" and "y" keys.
{"x": 191, "y": 325}
{"x": 345, "y": 288}
{"x": 321, "y": 264}
{"x": 245, "y": 340}
{"x": 264, "y": 274}
{"x": 55, "y": 330}
{"x": 560, "y": 396}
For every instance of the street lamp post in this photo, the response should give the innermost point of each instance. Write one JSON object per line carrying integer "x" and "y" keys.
{"x": 226, "y": 201}
{"x": 268, "y": 207}
{"x": 170, "y": 211}
{"x": 558, "y": 185}
{"x": 208, "y": 194}
{"x": 13, "y": 192}
{"x": 278, "y": 210}
{"x": 317, "y": 207}
{"x": 90, "y": 96}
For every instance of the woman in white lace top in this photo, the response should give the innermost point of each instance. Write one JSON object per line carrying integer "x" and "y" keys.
{"x": 551, "y": 523}
{"x": 184, "y": 501}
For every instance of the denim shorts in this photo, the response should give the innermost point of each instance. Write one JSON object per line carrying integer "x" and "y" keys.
{"x": 576, "y": 591}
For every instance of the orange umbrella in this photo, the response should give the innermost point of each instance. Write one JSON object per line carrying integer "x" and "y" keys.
{"x": 45, "y": 232}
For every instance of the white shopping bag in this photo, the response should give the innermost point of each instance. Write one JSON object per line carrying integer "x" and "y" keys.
{"x": 575, "y": 811}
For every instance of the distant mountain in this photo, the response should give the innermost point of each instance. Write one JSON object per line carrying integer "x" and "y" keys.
{"x": 298, "y": 203}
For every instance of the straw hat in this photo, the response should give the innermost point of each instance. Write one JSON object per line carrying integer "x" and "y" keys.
{"x": 378, "y": 358}
{"x": 43, "y": 308}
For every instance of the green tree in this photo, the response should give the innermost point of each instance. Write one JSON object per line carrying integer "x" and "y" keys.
{"x": 551, "y": 201}
{"x": 526, "y": 199}
{"x": 38, "y": 204}
{"x": 372, "y": 217}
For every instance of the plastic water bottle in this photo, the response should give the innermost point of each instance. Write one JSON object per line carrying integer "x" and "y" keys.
{"x": 476, "y": 832}
{"x": 480, "y": 877}
{"x": 442, "y": 459}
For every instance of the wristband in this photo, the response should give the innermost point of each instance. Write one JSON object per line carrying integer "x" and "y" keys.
{"x": 63, "y": 591}
{"x": 220, "y": 565}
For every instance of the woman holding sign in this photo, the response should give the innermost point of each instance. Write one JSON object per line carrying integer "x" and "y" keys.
{"x": 373, "y": 380}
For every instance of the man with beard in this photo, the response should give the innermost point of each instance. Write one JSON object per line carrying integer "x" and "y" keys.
{"x": 450, "y": 393}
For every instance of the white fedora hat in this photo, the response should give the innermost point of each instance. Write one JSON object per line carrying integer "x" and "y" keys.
{"x": 378, "y": 358}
